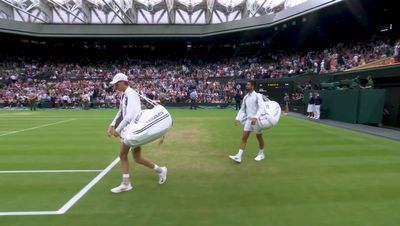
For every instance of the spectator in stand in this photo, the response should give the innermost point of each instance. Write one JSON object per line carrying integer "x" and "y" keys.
{"x": 396, "y": 55}
{"x": 62, "y": 82}
{"x": 370, "y": 83}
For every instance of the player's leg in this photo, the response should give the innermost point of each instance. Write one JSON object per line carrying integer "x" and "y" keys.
{"x": 137, "y": 156}
{"x": 123, "y": 156}
{"x": 243, "y": 143}
{"x": 261, "y": 155}
{"x": 162, "y": 171}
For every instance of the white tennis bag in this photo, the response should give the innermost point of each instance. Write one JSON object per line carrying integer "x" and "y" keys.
{"x": 271, "y": 114}
{"x": 148, "y": 126}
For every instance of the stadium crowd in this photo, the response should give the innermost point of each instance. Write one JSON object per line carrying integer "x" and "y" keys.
{"x": 68, "y": 82}
{"x": 71, "y": 93}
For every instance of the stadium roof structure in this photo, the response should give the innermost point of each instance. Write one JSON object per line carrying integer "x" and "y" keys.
{"x": 139, "y": 11}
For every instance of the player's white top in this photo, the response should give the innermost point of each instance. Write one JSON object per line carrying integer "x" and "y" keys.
{"x": 252, "y": 106}
{"x": 128, "y": 109}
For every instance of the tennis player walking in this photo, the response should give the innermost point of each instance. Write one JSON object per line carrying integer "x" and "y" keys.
{"x": 252, "y": 105}
{"x": 130, "y": 107}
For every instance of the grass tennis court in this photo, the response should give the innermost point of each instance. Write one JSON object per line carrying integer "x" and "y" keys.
{"x": 313, "y": 175}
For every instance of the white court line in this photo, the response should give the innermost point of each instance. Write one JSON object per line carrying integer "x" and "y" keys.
{"x": 37, "y": 127}
{"x": 72, "y": 201}
{"x": 48, "y": 171}
{"x": 5, "y": 132}
{"x": 84, "y": 190}
{"x": 55, "y": 117}
{"x": 25, "y": 213}
{"x": 8, "y": 131}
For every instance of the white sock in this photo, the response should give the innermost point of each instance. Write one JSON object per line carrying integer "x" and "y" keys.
{"x": 261, "y": 151}
{"x": 240, "y": 153}
{"x": 125, "y": 178}
{"x": 157, "y": 168}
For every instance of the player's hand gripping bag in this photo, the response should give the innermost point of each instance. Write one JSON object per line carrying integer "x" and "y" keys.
{"x": 148, "y": 126}
{"x": 242, "y": 117}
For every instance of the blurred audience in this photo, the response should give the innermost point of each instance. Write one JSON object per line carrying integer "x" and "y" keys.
{"x": 69, "y": 83}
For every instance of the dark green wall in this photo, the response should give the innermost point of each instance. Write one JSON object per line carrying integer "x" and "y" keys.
{"x": 370, "y": 106}
{"x": 352, "y": 105}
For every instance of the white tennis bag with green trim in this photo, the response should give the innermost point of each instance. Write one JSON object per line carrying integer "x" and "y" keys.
{"x": 149, "y": 125}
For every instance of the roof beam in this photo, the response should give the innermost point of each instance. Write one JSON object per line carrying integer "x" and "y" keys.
{"x": 115, "y": 12}
{"x": 86, "y": 10}
{"x": 245, "y": 9}
{"x": 210, "y": 10}
{"x": 59, "y": 15}
{"x": 19, "y": 9}
{"x": 98, "y": 16}
{"x": 7, "y": 9}
{"x": 220, "y": 19}
{"x": 132, "y": 12}
{"x": 180, "y": 14}
{"x": 237, "y": 15}
{"x": 46, "y": 9}
{"x": 258, "y": 9}
{"x": 144, "y": 16}
{"x": 37, "y": 15}
{"x": 198, "y": 16}
{"x": 170, "y": 5}
{"x": 67, "y": 10}
{"x": 123, "y": 12}
{"x": 161, "y": 16}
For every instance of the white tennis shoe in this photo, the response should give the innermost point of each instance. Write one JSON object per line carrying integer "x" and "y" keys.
{"x": 260, "y": 157}
{"x": 236, "y": 158}
{"x": 163, "y": 175}
{"x": 121, "y": 188}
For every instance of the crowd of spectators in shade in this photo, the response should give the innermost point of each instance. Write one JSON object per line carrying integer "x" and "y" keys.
{"x": 65, "y": 82}
{"x": 71, "y": 93}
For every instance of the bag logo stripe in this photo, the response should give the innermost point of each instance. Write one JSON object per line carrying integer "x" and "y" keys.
{"x": 152, "y": 124}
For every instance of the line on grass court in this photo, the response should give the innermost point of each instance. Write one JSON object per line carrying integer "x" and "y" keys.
{"x": 8, "y": 131}
{"x": 37, "y": 127}
{"x": 76, "y": 197}
{"x": 48, "y": 171}
{"x": 84, "y": 190}
{"x": 70, "y": 202}
{"x": 27, "y": 117}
